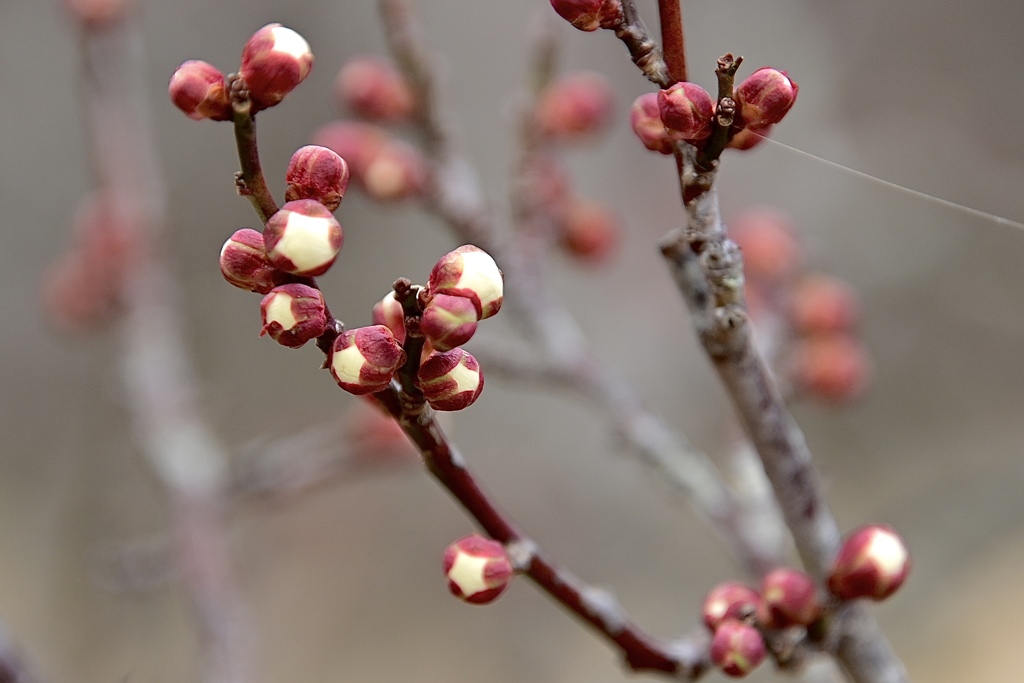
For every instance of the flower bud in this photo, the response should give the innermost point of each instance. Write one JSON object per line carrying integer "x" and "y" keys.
{"x": 197, "y": 88}
{"x": 478, "y": 569}
{"x": 770, "y": 246}
{"x": 388, "y": 312}
{"x": 275, "y": 60}
{"x": 764, "y": 97}
{"x": 318, "y": 173}
{"x": 833, "y": 367}
{"x": 75, "y": 297}
{"x": 244, "y": 263}
{"x": 730, "y": 600}
{"x": 470, "y": 272}
{"x": 448, "y": 321}
{"x": 737, "y": 648}
{"x": 293, "y": 314}
{"x": 303, "y": 238}
{"x": 451, "y": 380}
{"x": 575, "y": 105}
{"x": 372, "y": 88}
{"x": 873, "y": 562}
{"x": 748, "y": 138}
{"x": 645, "y": 118}
{"x": 590, "y": 15}
{"x": 589, "y": 230}
{"x": 823, "y": 304}
{"x": 687, "y": 109}
{"x": 357, "y": 143}
{"x": 789, "y": 597}
{"x": 96, "y": 13}
{"x": 397, "y": 171}
{"x": 364, "y": 360}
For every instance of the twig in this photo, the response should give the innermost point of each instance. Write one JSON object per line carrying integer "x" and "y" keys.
{"x": 673, "y": 45}
{"x": 250, "y": 181}
{"x": 642, "y": 48}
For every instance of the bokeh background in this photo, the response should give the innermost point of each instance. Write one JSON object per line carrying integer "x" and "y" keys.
{"x": 344, "y": 583}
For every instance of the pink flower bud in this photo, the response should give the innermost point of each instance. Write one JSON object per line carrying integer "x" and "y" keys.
{"x": 372, "y": 88}
{"x": 737, "y": 648}
{"x": 730, "y": 600}
{"x": 76, "y": 298}
{"x": 197, "y": 88}
{"x": 388, "y": 312}
{"x": 645, "y": 118}
{"x": 293, "y": 314}
{"x": 451, "y": 380}
{"x": 244, "y": 263}
{"x": 98, "y": 12}
{"x": 575, "y": 105}
{"x": 872, "y": 563}
{"x": 448, "y": 321}
{"x": 590, "y": 15}
{"x": 397, "y": 171}
{"x": 275, "y": 60}
{"x": 364, "y": 360}
{"x": 764, "y": 97}
{"x": 771, "y": 248}
{"x": 357, "y": 143}
{"x": 318, "y": 173}
{"x": 687, "y": 109}
{"x": 590, "y": 231}
{"x": 748, "y": 138}
{"x": 303, "y": 238}
{"x": 478, "y": 569}
{"x": 469, "y": 272}
{"x": 833, "y": 367}
{"x": 789, "y": 598}
{"x": 823, "y": 304}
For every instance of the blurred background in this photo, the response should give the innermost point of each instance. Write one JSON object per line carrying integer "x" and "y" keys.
{"x": 344, "y": 583}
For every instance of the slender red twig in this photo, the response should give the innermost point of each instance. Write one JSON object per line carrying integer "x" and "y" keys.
{"x": 673, "y": 42}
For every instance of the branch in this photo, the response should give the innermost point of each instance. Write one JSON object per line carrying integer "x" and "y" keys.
{"x": 250, "y": 181}
{"x": 673, "y": 43}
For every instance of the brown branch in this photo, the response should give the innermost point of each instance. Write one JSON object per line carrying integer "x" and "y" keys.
{"x": 673, "y": 45}
{"x": 643, "y": 50}
{"x": 249, "y": 181}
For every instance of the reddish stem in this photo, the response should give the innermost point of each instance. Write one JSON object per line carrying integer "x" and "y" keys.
{"x": 673, "y": 45}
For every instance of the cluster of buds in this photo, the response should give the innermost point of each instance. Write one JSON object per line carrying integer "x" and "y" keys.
{"x": 478, "y": 569}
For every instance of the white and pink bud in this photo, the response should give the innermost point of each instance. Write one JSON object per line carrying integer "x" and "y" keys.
{"x": 478, "y": 569}
{"x": 737, "y": 648}
{"x": 244, "y": 263}
{"x": 372, "y": 88}
{"x": 274, "y": 60}
{"x": 303, "y": 238}
{"x": 764, "y": 97}
{"x": 873, "y": 562}
{"x": 590, "y": 15}
{"x": 318, "y": 173}
{"x": 834, "y": 368}
{"x": 470, "y": 272}
{"x": 365, "y": 360}
{"x": 645, "y": 118}
{"x": 574, "y": 106}
{"x": 730, "y": 600}
{"x": 389, "y": 313}
{"x": 448, "y": 321}
{"x": 824, "y": 305}
{"x": 789, "y": 597}
{"x": 293, "y": 314}
{"x": 451, "y": 380}
{"x": 589, "y": 230}
{"x": 687, "y": 109}
{"x": 197, "y": 88}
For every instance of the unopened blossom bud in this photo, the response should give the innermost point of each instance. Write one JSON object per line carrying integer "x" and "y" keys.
{"x": 318, "y": 173}
{"x": 589, "y": 230}
{"x": 764, "y": 97}
{"x": 823, "y": 304}
{"x": 748, "y": 138}
{"x": 687, "y": 109}
{"x": 478, "y": 569}
{"x": 448, "y": 321}
{"x": 388, "y": 312}
{"x": 397, "y": 171}
{"x": 789, "y": 597}
{"x": 98, "y": 12}
{"x": 873, "y": 562}
{"x": 357, "y": 143}
{"x": 372, "y": 88}
{"x": 590, "y": 15}
{"x": 244, "y": 263}
{"x": 768, "y": 240}
{"x": 303, "y": 238}
{"x": 832, "y": 367}
{"x": 450, "y": 380}
{"x": 197, "y": 88}
{"x": 575, "y": 105}
{"x": 645, "y": 118}
{"x": 737, "y": 648}
{"x": 469, "y": 272}
{"x": 275, "y": 60}
{"x": 293, "y": 314}
{"x": 77, "y": 298}
{"x": 730, "y": 600}
{"x": 364, "y": 360}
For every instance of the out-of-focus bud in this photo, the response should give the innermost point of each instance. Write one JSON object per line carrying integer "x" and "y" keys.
{"x": 275, "y": 60}
{"x": 75, "y": 299}
{"x": 645, "y": 118}
{"x": 590, "y": 230}
{"x": 98, "y": 12}
{"x": 737, "y": 648}
{"x": 303, "y": 238}
{"x": 764, "y": 97}
{"x": 834, "y": 368}
{"x": 748, "y": 138}
{"x": 244, "y": 263}
{"x": 730, "y": 600}
{"x": 364, "y": 360}
{"x": 451, "y": 380}
{"x": 873, "y": 562}
{"x": 590, "y": 15}
{"x": 823, "y": 304}
{"x": 318, "y": 173}
{"x": 388, "y": 312}
{"x": 396, "y": 172}
{"x": 293, "y": 314}
{"x": 687, "y": 109}
{"x": 574, "y": 106}
{"x": 789, "y": 598}
{"x": 357, "y": 143}
{"x": 478, "y": 569}
{"x": 372, "y": 88}
{"x": 197, "y": 88}
{"x": 771, "y": 249}
{"x": 448, "y": 321}
{"x": 470, "y": 272}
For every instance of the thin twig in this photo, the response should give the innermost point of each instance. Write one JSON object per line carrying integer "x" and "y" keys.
{"x": 250, "y": 181}
{"x": 673, "y": 41}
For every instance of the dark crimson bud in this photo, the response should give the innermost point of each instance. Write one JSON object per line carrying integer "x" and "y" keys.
{"x": 470, "y": 272}
{"x": 764, "y": 97}
{"x": 478, "y": 569}
{"x": 789, "y": 598}
{"x": 372, "y": 88}
{"x": 197, "y": 88}
{"x": 293, "y": 314}
{"x": 645, "y": 118}
{"x": 873, "y": 562}
{"x": 451, "y": 380}
{"x": 365, "y": 360}
{"x": 303, "y": 238}
{"x": 275, "y": 60}
{"x": 318, "y": 173}
{"x": 730, "y": 600}
{"x": 448, "y": 321}
{"x": 737, "y": 648}
{"x": 575, "y": 105}
{"x": 244, "y": 263}
{"x": 687, "y": 109}
{"x": 590, "y": 15}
